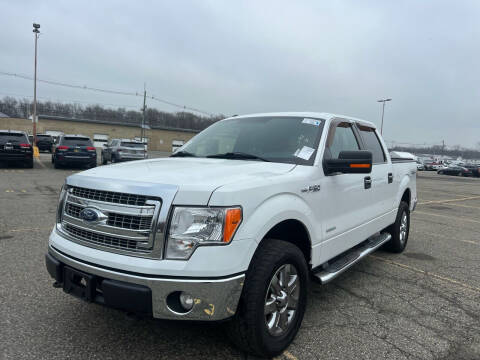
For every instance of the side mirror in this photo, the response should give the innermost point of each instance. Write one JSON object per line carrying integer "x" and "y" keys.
{"x": 349, "y": 162}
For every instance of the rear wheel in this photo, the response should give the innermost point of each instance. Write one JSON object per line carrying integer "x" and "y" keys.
{"x": 29, "y": 164}
{"x": 273, "y": 300}
{"x": 56, "y": 165}
{"x": 104, "y": 161}
{"x": 399, "y": 230}
{"x": 114, "y": 159}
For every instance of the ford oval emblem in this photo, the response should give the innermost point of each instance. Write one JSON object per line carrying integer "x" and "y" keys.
{"x": 90, "y": 215}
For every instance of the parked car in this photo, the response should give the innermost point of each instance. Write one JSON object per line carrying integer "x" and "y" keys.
{"x": 123, "y": 150}
{"x": 231, "y": 226}
{"x": 74, "y": 150}
{"x": 16, "y": 148}
{"x": 455, "y": 170}
{"x": 44, "y": 142}
{"x": 420, "y": 166}
{"x": 474, "y": 169}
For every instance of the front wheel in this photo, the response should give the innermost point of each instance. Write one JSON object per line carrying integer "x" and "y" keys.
{"x": 399, "y": 230}
{"x": 273, "y": 300}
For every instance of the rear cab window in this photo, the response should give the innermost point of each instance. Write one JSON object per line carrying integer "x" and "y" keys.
{"x": 14, "y": 138}
{"x": 132, "y": 144}
{"x": 75, "y": 141}
{"x": 372, "y": 143}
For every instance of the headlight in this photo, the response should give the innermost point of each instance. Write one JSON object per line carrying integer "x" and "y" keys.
{"x": 191, "y": 227}
{"x": 61, "y": 200}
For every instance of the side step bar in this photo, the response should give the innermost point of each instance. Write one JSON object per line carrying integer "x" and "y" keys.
{"x": 350, "y": 257}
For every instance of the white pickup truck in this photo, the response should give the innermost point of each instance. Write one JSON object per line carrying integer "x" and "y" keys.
{"x": 234, "y": 224}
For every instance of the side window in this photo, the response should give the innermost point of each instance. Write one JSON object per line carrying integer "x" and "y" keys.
{"x": 373, "y": 144}
{"x": 341, "y": 138}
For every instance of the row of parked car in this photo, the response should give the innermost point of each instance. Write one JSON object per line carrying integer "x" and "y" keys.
{"x": 67, "y": 150}
{"x": 456, "y": 169}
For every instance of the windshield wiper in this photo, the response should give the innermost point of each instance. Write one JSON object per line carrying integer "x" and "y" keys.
{"x": 183, "y": 154}
{"x": 237, "y": 155}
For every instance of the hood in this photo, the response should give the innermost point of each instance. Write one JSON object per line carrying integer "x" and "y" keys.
{"x": 195, "y": 178}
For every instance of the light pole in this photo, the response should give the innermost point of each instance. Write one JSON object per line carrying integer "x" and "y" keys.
{"x": 34, "y": 118}
{"x": 383, "y": 111}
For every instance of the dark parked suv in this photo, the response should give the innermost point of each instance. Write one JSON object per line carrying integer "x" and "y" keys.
{"x": 15, "y": 147}
{"x": 44, "y": 142}
{"x": 74, "y": 150}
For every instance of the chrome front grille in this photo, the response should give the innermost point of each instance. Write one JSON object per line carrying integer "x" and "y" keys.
{"x": 129, "y": 222}
{"x": 114, "y": 219}
{"x": 123, "y": 222}
{"x": 99, "y": 239}
{"x": 109, "y": 196}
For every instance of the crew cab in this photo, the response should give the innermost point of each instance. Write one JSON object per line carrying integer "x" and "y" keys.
{"x": 233, "y": 225}
{"x": 15, "y": 147}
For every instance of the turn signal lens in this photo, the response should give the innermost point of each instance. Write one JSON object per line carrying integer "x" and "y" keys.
{"x": 359, "y": 165}
{"x": 233, "y": 218}
{"x": 90, "y": 148}
{"x": 25, "y": 146}
{"x": 62, "y": 147}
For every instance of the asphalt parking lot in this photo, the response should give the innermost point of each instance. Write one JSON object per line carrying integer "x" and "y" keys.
{"x": 422, "y": 304}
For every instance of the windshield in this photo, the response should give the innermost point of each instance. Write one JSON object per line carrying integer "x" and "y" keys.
{"x": 13, "y": 138}
{"x": 76, "y": 141}
{"x": 291, "y": 140}
{"x": 44, "y": 137}
{"x": 132, "y": 144}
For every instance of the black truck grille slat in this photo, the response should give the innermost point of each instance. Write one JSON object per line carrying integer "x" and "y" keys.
{"x": 130, "y": 222}
{"x": 100, "y": 239}
{"x": 109, "y": 196}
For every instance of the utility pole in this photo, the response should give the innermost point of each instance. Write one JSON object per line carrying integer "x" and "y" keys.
{"x": 142, "y": 133}
{"x": 34, "y": 116}
{"x": 383, "y": 111}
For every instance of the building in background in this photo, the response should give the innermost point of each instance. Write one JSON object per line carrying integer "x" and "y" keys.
{"x": 157, "y": 138}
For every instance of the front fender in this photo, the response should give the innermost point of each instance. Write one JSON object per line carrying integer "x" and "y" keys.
{"x": 273, "y": 210}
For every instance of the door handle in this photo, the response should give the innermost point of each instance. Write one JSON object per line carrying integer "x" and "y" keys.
{"x": 390, "y": 178}
{"x": 367, "y": 182}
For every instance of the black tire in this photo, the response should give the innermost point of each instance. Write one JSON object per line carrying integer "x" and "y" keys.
{"x": 398, "y": 242}
{"x": 440, "y": 172}
{"x": 53, "y": 159}
{"x": 29, "y": 164}
{"x": 113, "y": 159}
{"x": 56, "y": 165}
{"x": 248, "y": 329}
{"x": 104, "y": 161}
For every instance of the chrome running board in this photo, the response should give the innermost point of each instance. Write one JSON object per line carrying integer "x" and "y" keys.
{"x": 350, "y": 257}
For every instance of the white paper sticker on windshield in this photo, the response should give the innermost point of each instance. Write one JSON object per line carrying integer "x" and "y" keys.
{"x": 313, "y": 122}
{"x": 304, "y": 153}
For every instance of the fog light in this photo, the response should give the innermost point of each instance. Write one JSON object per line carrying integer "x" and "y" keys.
{"x": 186, "y": 300}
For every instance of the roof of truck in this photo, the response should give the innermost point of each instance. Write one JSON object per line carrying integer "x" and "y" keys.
{"x": 317, "y": 115}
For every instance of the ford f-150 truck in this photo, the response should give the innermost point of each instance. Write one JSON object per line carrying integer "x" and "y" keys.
{"x": 234, "y": 224}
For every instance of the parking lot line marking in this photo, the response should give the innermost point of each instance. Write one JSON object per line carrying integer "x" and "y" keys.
{"x": 465, "y": 206}
{"x": 470, "y": 242}
{"x": 448, "y": 238}
{"x": 40, "y": 162}
{"x": 449, "y": 200}
{"x": 289, "y": 355}
{"x": 448, "y": 216}
{"x": 428, "y": 273}
{"x": 29, "y": 229}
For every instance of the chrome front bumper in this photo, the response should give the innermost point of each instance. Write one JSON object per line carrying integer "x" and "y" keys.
{"x": 214, "y": 299}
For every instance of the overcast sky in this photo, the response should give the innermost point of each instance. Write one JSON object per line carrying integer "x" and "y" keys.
{"x": 237, "y": 57}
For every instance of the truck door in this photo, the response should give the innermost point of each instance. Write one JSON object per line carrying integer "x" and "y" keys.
{"x": 343, "y": 196}
{"x": 383, "y": 186}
